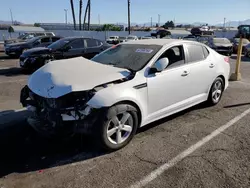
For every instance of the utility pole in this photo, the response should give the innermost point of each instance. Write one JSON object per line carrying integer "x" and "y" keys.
{"x": 159, "y": 19}
{"x": 224, "y": 23}
{"x": 66, "y": 15}
{"x": 99, "y": 19}
{"x": 11, "y": 16}
{"x": 151, "y": 22}
{"x": 129, "y": 29}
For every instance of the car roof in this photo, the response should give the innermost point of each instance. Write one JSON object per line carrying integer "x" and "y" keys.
{"x": 78, "y": 37}
{"x": 161, "y": 42}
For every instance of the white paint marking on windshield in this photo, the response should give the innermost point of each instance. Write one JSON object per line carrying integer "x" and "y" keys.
{"x": 147, "y": 51}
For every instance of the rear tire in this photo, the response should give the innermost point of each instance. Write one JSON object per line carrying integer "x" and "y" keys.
{"x": 216, "y": 92}
{"x": 117, "y": 127}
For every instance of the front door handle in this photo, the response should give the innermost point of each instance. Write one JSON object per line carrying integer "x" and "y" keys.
{"x": 211, "y": 65}
{"x": 185, "y": 73}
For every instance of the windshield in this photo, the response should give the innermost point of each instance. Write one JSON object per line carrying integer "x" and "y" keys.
{"x": 128, "y": 56}
{"x": 59, "y": 44}
{"x": 22, "y": 36}
{"x": 33, "y": 39}
{"x": 112, "y": 37}
{"x": 122, "y": 38}
{"x": 221, "y": 40}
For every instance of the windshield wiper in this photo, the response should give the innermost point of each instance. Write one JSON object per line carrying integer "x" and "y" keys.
{"x": 128, "y": 68}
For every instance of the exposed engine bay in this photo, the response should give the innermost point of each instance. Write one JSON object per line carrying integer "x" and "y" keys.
{"x": 66, "y": 115}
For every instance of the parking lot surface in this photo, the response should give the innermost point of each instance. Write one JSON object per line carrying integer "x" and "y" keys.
{"x": 200, "y": 147}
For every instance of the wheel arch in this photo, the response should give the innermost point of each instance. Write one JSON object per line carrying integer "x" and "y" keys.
{"x": 223, "y": 78}
{"x": 132, "y": 103}
{"x": 219, "y": 76}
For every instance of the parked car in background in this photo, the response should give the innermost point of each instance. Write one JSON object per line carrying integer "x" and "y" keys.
{"x": 236, "y": 42}
{"x": 26, "y": 36}
{"x": 145, "y": 37}
{"x": 123, "y": 88}
{"x": 113, "y": 40}
{"x": 122, "y": 39}
{"x": 200, "y": 31}
{"x": 247, "y": 50}
{"x": 65, "y": 48}
{"x": 131, "y": 38}
{"x": 18, "y": 48}
{"x": 160, "y": 33}
{"x": 190, "y": 37}
{"x": 221, "y": 45}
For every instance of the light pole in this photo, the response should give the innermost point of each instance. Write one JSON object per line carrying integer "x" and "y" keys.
{"x": 66, "y": 16}
{"x": 159, "y": 20}
{"x": 11, "y": 17}
{"x": 129, "y": 29}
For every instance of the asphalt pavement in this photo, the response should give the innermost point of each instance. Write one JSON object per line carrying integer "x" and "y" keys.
{"x": 200, "y": 147}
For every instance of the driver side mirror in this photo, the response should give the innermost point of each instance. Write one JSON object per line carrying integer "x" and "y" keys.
{"x": 160, "y": 65}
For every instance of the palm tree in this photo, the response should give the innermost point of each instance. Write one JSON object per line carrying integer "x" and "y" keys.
{"x": 129, "y": 28}
{"x": 89, "y": 15}
{"x": 85, "y": 14}
{"x": 80, "y": 14}
{"x": 73, "y": 13}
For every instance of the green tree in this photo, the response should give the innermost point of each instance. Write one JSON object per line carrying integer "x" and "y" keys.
{"x": 37, "y": 24}
{"x": 169, "y": 24}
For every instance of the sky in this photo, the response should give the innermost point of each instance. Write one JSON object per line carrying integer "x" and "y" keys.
{"x": 115, "y": 11}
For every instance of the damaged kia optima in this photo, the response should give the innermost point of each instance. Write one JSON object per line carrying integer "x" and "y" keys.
{"x": 123, "y": 88}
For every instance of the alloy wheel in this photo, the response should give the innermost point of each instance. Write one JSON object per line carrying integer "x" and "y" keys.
{"x": 217, "y": 91}
{"x": 120, "y": 128}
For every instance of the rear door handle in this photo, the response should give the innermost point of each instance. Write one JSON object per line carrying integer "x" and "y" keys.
{"x": 211, "y": 65}
{"x": 185, "y": 73}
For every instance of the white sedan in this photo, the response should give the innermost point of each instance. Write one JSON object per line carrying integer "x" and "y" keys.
{"x": 123, "y": 88}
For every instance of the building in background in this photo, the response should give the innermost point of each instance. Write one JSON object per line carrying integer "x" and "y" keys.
{"x": 63, "y": 26}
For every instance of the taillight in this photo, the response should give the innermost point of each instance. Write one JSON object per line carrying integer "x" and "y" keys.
{"x": 226, "y": 59}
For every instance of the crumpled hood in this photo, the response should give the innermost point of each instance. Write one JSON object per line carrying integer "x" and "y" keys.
{"x": 222, "y": 44}
{"x": 61, "y": 77}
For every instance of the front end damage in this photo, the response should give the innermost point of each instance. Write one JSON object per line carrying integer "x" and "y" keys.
{"x": 63, "y": 116}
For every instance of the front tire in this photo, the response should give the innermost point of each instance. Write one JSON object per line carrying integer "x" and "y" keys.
{"x": 216, "y": 92}
{"x": 117, "y": 127}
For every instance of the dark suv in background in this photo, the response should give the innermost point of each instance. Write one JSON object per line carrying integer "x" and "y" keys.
{"x": 68, "y": 47}
{"x": 160, "y": 33}
{"x": 18, "y": 48}
{"x": 26, "y": 36}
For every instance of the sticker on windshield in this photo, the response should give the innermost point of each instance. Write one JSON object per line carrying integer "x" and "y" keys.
{"x": 145, "y": 50}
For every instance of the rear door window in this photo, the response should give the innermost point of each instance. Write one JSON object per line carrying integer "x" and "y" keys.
{"x": 77, "y": 43}
{"x": 195, "y": 53}
{"x": 90, "y": 43}
{"x": 54, "y": 39}
{"x": 45, "y": 40}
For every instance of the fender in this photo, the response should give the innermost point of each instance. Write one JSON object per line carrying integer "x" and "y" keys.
{"x": 122, "y": 92}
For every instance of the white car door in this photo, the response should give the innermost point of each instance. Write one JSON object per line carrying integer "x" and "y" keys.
{"x": 202, "y": 70}
{"x": 168, "y": 90}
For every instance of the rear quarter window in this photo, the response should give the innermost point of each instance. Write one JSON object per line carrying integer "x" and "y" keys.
{"x": 205, "y": 51}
